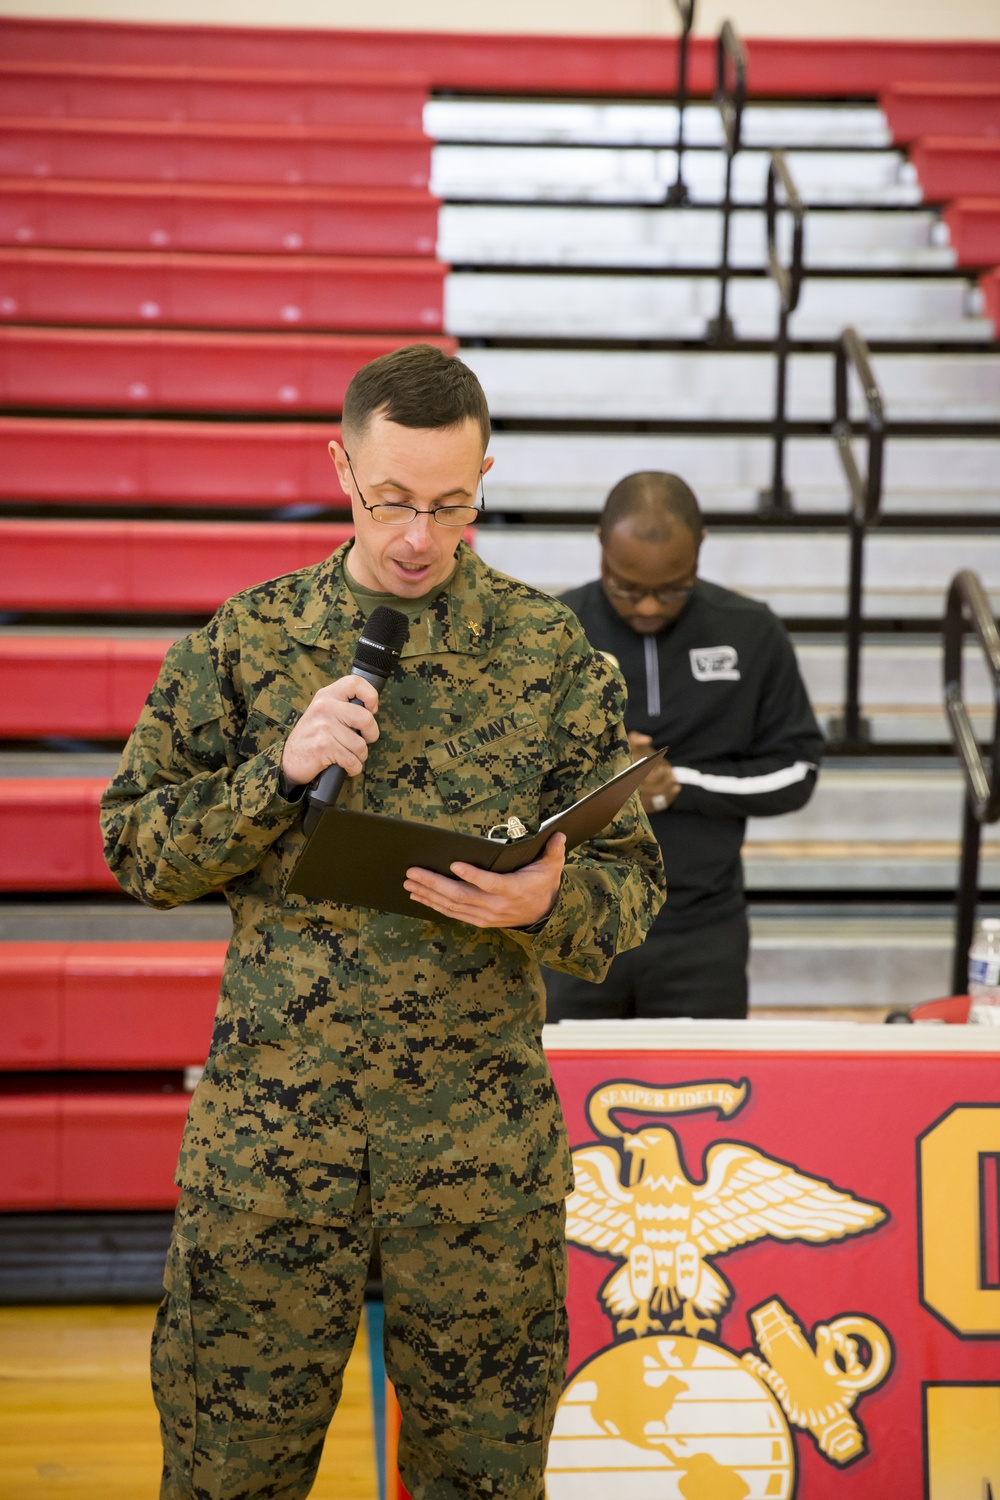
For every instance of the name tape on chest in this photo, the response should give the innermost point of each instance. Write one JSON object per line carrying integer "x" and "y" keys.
{"x": 715, "y": 664}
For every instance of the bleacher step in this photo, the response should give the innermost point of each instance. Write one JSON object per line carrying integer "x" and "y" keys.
{"x": 218, "y": 217}
{"x": 219, "y": 464}
{"x": 800, "y": 574}
{"x": 704, "y": 385}
{"x": 166, "y": 151}
{"x": 364, "y": 294}
{"x": 113, "y": 921}
{"x": 861, "y": 808}
{"x": 151, "y": 567}
{"x": 91, "y": 91}
{"x": 123, "y": 463}
{"x": 630, "y": 175}
{"x": 567, "y": 122}
{"x": 846, "y": 958}
{"x": 367, "y": 294}
{"x": 485, "y": 304}
{"x": 538, "y": 472}
{"x": 89, "y": 683}
{"x": 801, "y": 956}
{"x": 565, "y": 235}
{"x": 901, "y": 687}
{"x": 167, "y": 370}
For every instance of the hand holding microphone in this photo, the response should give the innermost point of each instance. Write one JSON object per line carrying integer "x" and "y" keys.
{"x": 331, "y": 739}
{"x": 335, "y": 730}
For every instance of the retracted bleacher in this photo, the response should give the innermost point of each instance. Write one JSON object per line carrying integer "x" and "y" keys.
{"x": 204, "y": 231}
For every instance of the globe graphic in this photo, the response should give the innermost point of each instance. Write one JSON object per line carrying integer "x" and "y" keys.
{"x": 663, "y": 1418}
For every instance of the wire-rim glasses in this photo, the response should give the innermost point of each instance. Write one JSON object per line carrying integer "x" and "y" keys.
{"x": 634, "y": 593}
{"x": 391, "y": 514}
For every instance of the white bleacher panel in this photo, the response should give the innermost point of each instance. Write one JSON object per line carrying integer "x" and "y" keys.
{"x": 940, "y": 387}
{"x": 608, "y": 174}
{"x": 635, "y": 385}
{"x": 885, "y": 869}
{"x": 569, "y": 122}
{"x": 699, "y": 384}
{"x": 901, "y": 687}
{"x": 567, "y": 235}
{"x": 805, "y": 573}
{"x": 482, "y": 304}
{"x": 538, "y": 472}
{"x": 833, "y": 959}
{"x": 854, "y": 804}
{"x": 798, "y": 573}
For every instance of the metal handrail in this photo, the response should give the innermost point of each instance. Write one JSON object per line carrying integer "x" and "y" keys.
{"x": 788, "y": 278}
{"x": 776, "y": 501}
{"x": 866, "y": 494}
{"x": 968, "y": 608}
{"x": 677, "y": 193}
{"x": 729, "y": 48}
{"x": 729, "y": 53}
{"x": 852, "y": 731}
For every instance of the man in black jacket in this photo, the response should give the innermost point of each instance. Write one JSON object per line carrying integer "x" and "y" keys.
{"x": 712, "y": 675}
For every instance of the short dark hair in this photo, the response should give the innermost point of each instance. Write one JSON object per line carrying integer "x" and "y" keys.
{"x": 418, "y": 386}
{"x": 655, "y": 503}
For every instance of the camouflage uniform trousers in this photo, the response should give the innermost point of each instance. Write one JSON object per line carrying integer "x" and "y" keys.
{"x": 260, "y": 1317}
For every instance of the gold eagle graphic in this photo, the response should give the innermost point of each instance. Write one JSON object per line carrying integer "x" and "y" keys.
{"x": 666, "y": 1228}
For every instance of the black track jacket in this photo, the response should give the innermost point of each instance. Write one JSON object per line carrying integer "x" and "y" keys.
{"x": 721, "y": 687}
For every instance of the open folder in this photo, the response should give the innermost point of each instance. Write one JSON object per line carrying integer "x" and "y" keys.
{"x": 361, "y": 859}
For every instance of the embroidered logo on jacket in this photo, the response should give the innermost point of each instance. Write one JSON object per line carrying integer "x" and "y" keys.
{"x": 715, "y": 664}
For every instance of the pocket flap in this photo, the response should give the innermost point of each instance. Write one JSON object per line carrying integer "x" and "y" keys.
{"x": 483, "y": 763}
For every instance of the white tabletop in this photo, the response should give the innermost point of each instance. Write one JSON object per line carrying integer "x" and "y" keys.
{"x": 769, "y": 1036}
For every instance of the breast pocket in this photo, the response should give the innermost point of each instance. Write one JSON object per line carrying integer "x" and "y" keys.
{"x": 493, "y": 778}
{"x": 271, "y": 718}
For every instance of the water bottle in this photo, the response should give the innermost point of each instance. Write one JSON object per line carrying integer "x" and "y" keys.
{"x": 984, "y": 973}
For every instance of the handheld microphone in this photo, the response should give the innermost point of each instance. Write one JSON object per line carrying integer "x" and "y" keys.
{"x": 375, "y": 655}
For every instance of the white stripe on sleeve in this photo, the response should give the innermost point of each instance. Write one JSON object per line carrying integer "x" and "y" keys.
{"x": 745, "y": 786}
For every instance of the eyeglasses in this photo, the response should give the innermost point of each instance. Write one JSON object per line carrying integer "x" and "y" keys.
{"x": 672, "y": 594}
{"x": 402, "y": 515}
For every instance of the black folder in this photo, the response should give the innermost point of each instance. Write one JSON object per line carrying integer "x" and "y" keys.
{"x": 361, "y": 859}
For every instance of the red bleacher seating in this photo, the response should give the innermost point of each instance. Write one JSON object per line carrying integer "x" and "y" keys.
{"x": 98, "y": 91}
{"x": 151, "y": 151}
{"x": 107, "y": 1005}
{"x": 89, "y": 1148}
{"x": 147, "y": 288}
{"x": 77, "y": 686}
{"x": 953, "y": 132}
{"x": 50, "y": 837}
{"x": 949, "y": 109}
{"x": 167, "y": 139}
{"x": 218, "y": 218}
{"x": 92, "y": 461}
{"x": 114, "y": 369}
{"x": 637, "y": 65}
{"x": 80, "y": 1144}
{"x": 974, "y": 229}
{"x": 957, "y": 166}
{"x": 150, "y": 567}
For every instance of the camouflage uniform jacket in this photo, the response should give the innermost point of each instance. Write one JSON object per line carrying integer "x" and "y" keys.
{"x": 337, "y": 1026}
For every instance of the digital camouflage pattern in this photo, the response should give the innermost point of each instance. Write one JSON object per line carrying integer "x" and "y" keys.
{"x": 252, "y": 1339}
{"x": 341, "y": 1028}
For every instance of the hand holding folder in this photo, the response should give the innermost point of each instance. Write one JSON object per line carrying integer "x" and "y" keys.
{"x": 361, "y": 859}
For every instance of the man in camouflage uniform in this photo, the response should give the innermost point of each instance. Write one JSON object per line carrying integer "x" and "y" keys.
{"x": 372, "y": 1072}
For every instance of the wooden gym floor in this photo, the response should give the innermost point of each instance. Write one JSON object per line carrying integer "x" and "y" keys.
{"x": 77, "y": 1420}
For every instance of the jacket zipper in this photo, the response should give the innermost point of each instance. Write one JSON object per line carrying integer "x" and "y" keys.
{"x": 652, "y": 677}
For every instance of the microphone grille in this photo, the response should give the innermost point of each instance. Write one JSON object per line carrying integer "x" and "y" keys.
{"x": 382, "y": 639}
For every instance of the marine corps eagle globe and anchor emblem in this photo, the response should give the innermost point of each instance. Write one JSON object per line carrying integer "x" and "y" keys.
{"x": 668, "y": 1412}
